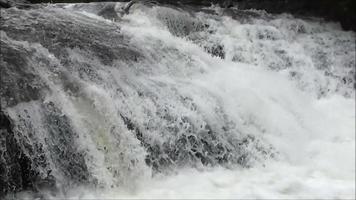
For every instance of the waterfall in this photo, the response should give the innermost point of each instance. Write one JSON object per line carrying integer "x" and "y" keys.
{"x": 97, "y": 100}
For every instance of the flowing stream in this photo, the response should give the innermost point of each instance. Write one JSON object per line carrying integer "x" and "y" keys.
{"x": 175, "y": 102}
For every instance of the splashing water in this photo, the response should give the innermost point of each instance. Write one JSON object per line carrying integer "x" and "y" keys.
{"x": 169, "y": 102}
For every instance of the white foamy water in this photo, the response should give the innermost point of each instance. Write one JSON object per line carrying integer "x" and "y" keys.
{"x": 274, "y": 84}
{"x": 316, "y": 156}
{"x": 288, "y": 82}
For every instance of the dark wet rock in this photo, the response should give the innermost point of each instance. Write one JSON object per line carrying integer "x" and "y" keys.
{"x": 29, "y": 155}
{"x": 10, "y": 168}
{"x": 57, "y": 33}
{"x": 62, "y": 144}
{"x": 22, "y": 4}
{"x": 336, "y": 10}
{"x": 31, "y": 44}
{"x": 5, "y": 4}
{"x": 216, "y": 50}
{"x": 19, "y": 79}
{"x": 109, "y": 12}
{"x": 180, "y": 23}
{"x": 25, "y": 160}
{"x": 342, "y": 11}
{"x": 18, "y": 170}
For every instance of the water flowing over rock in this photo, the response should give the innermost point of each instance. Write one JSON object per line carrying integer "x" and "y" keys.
{"x": 93, "y": 97}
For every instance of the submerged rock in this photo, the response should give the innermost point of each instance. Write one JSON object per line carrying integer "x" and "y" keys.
{"x": 109, "y": 12}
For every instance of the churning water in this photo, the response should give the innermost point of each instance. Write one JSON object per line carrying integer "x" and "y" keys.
{"x": 176, "y": 102}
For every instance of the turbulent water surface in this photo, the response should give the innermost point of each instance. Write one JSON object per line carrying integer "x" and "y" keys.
{"x": 174, "y": 102}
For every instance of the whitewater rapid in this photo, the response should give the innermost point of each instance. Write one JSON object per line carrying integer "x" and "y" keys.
{"x": 283, "y": 84}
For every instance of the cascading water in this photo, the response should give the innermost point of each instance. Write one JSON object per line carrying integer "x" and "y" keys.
{"x": 97, "y": 104}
